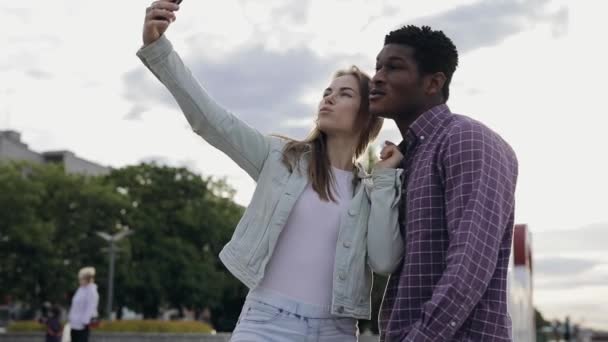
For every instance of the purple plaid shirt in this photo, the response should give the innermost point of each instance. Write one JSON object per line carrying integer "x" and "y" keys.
{"x": 457, "y": 217}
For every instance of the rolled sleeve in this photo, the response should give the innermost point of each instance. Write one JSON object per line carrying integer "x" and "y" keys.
{"x": 155, "y": 51}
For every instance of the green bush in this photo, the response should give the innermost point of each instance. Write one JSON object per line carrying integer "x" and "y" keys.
{"x": 155, "y": 326}
{"x": 25, "y": 326}
{"x": 126, "y": 326}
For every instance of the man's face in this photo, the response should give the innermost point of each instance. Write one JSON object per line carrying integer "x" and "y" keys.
{"x": 396, "y": 87}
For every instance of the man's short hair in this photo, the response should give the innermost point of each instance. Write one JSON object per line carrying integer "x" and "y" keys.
{"x": 433, "y": 51}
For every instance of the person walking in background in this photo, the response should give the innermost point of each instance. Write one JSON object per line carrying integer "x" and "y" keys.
{"x": 54, "y": 329}
{"x": 84, "y": 305}
{"x": 51, "y": 318}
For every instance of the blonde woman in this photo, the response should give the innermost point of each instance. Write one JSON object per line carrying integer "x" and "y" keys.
{"x": 84, "y": 305}
{"x": 317, "y": 224}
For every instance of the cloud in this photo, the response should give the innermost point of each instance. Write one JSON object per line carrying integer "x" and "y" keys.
{"x": 136, "y": 112}
{"x": 588, "y": 239}
{"x": 571, "y": 282}
{"x": 142, "y": 89}
{"x": 387, "y": 11}
{"x": 296, "y": 10}
{"x": 39, "y": 74}
{"x": 263, "y": 87}
{"x": 23, "y": 14}
{"x": 489, "y": 22}
{"x": 563, "y": 266}
{"x": 156, "y": 160}
{"x": 27, "y": 43}
{"x": 571, "y": 258}
{"x": 281, "y": 11}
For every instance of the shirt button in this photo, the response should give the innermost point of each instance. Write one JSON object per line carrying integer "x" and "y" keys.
{"x": 453, "y": 324}
{"x": 342, "y": 276}
{"x": 352, "y": 212}
{"x": 346, "y": 244}
{"x": 422, "y": 137}
{"x": 340, "y": 309}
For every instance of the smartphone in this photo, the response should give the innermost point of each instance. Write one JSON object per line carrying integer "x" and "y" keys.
{"x": 175, "y": 1}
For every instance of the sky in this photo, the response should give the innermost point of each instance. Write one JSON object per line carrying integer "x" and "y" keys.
{"x": 533, "y": 71}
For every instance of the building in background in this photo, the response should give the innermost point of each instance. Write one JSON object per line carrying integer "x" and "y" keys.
{"x": 12, "y": 148}
{"x": 520, "y": 286}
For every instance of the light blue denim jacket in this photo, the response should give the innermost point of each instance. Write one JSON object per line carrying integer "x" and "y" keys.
{"x": 369, "y": 237}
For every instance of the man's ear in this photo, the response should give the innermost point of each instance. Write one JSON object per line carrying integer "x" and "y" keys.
{"x": 434, "y": 83}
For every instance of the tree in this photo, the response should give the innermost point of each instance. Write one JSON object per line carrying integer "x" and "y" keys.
{"x": 47, "y": 226}
{"x": 181, "y": 222}
{"x": 540, "y": 320}
{"x": 22, "y": 234}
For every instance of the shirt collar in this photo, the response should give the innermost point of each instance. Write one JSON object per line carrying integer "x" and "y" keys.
{"x": 429, "y": 121}
{"x": 425, "y": 125}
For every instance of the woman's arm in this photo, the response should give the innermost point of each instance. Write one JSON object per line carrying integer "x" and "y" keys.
{"x": 244, "y": 144}
{"x": 385, "y": 246}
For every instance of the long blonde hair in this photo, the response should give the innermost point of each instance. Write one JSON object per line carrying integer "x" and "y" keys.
{"x": 319, "y": 168}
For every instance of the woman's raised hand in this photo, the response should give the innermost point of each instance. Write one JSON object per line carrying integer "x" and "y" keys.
{"x": 159, "y": 16}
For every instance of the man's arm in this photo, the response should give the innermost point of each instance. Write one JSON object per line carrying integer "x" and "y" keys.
{"x": 479, "y": 178}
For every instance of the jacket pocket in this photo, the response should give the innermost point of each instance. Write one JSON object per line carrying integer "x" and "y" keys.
{"x": 242, "y": 227}
{"x": 259, "y": 247}
{"x": 362, "y": 279}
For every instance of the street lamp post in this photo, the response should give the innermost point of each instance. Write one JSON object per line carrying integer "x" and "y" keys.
{"x": 112, "y": 239}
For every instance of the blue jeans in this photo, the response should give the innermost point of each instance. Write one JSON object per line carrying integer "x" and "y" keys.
{"x": 270, "y": 317}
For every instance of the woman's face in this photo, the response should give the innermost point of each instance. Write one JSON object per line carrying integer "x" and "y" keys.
{"x": 84, "y": 280}
{"x": 340, "y": 106}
